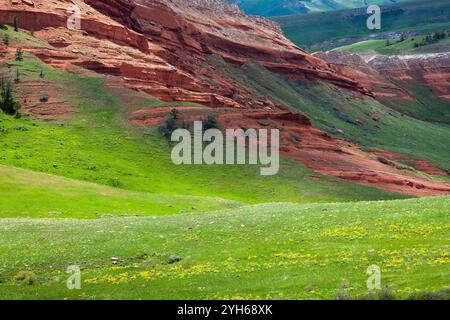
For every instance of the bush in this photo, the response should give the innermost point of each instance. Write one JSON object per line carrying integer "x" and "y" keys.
{"x": 15, "y": 24}
{"x": 25, "y": 277}
{"x": 386, "y": 294}
{"x": 170, "y": 125}
{"x": 17, "y": 78}
{"x": 6, "y": 40}
{"x": 19, "y": 55}
{"x": 210, "y": 123}
{"x": 7, "y": 103}
{"x": 43, "y": 98}
{"x": 174, "y": 259}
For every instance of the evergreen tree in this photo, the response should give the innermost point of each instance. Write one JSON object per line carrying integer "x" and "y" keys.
{"x": 6, "y": 40}
{"x": 15, "y": 24}
{"x": 7, "y": 103}
{"x": 19, "y": 55}
{"x": 17, "y": 78}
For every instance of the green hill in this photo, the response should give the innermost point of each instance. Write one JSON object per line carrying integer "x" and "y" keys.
{"x": 327, "y": 30}
{"x": 97, "y": 145}
{"x": 271, "y": 8}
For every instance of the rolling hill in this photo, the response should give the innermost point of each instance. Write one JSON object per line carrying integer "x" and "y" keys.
{"x": 328, "y": 30}
{"x": 271, "y": 8}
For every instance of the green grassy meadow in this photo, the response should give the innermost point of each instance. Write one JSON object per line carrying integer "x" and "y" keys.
{"x": 268, "y": 251}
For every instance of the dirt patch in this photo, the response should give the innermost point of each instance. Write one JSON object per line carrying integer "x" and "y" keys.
{"x": 43, "y": 100}
{"x": 425, "y": 166}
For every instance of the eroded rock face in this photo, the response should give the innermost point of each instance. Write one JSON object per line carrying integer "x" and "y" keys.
{"x": 380, "y": 73}
{"x": 433, "y": 68}
{"x": 181, "y": 34}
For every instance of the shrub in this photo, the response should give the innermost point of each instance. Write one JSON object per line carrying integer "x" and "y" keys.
{"x": 43, "y": 98}
{"x": 17, "y": 78}
{"x": 113, "y": 182}
{"x": 174, "y": 259}
{"x": 19, "y": 55}
{"x": 343, "y": 295}
{"x": 210, "y": 123}
{"x": 6, "y": 40}
{"x": 438, "y": 295}
{"x": 170, "y": 125}
{"x": 386, "y": 294}
{"x": 25, "y": 277}
{"x": 15, "y": 24}
{"x": 7, "y": 103}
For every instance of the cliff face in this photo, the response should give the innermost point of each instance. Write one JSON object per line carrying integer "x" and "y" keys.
{"x": 163, "y": 45}
{"x": 382, "y": 75}
{"x": 431, "y": 69}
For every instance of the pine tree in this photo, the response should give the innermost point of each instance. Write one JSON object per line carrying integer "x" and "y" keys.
{"x": 7, "y": 103}
{"x": 15, "y": 24}
{"x": 17, "y": 79}
{"x": 19, "y": 55}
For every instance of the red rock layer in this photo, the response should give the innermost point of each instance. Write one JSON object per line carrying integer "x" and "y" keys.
{"x": 312, "y": 147}
{"x": 381, "y": 74}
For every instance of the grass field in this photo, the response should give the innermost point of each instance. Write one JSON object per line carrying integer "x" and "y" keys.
{"x": 270, "y": 251}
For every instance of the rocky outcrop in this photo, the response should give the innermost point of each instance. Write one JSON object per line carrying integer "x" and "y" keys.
{"x": 433, "y": 69}
{"x": 175, "y": 39}
{"x": 382, "y": 74}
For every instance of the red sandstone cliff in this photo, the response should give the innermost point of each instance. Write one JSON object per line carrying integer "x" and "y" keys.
{"x": 172, "y": 41}
{"x": 381, "y": 74}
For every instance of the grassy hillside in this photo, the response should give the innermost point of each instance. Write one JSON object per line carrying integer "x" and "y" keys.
{"x": 332, "y": 110}
{"x": 398, "y": 46}
{"x": 270, "y": 8}
{"x": 98, "y": 146}
{"x": 269, "y": 251}
{"x": 49, "y": 196}
{"x": 327, "y": 30}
